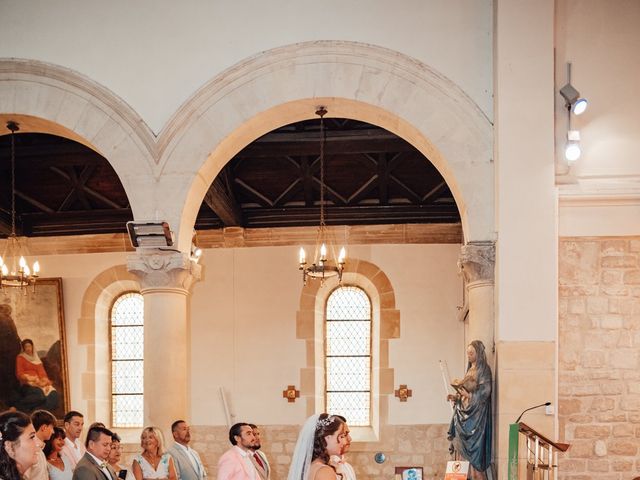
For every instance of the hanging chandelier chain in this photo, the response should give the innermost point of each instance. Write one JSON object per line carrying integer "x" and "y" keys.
{"x": 322, "y": 112}
{"x": 13, "y": 126}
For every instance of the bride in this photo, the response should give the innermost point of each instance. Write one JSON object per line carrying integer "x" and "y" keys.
{"x": 321, "y": 436}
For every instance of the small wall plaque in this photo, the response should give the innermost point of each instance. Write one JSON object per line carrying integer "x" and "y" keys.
{"x": 403, "y": 393}
{"x": 291, "y": 393}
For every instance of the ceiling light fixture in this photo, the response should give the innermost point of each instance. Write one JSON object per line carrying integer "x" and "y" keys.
{"x": 14, "y": 270}
{"x": 325, "y": 262}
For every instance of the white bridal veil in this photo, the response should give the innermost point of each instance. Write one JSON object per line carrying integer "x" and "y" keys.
{"x": 299, "y": 469}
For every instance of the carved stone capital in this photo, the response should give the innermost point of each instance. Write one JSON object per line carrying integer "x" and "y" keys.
{"x": 477, "y": 263}
{"x": 164, "y": 271}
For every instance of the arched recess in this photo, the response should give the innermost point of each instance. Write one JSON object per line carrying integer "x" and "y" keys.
{"x": 386, "y": 326}
{"x": 352, "y": 80}
{"x": 45, "y": 98}
{"x": 93, "y": 331}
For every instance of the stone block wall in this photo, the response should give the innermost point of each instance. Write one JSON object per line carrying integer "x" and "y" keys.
{"x": 599, "y": 357}
{"x": 403, "y": 445}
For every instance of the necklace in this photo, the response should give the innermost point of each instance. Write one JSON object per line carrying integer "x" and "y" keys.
{"x": 56, "y": 461}
{"x": 154, "y": 460}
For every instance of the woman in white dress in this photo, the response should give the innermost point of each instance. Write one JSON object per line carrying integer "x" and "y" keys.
{"x": 321, "y": 436}
{"x": 153, "y": 462}
{"x": 58, "y": 465}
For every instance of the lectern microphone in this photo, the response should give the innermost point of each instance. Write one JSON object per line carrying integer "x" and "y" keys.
{"x": 546, "y": 404}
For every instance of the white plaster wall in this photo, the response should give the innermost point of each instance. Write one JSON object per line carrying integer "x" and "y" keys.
{"x": 243, "y": 318}
{"x": 526, "y": 256}
{"x": 601, "y": 40}
{"x": 243, "y": 329}
{"x": 156, "y": 54}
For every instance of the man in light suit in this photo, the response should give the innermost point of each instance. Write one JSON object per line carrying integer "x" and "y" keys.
{"x": 93, "y": 465}
{"x": 186, "y": 459}
{"x": 235, "y": 463}
{"x": 259, "y": 459}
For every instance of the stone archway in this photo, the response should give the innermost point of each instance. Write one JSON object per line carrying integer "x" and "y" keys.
{"x": 309, "y": 327}
{"x": 93, "y": 332}
{"x": 46, "y": 98}
{"x": 352, "y": 80}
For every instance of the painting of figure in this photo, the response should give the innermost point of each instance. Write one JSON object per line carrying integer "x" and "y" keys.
{"x": 33, "y": 363}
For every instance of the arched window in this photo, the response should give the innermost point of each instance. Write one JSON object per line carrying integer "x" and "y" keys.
{"x": 127, "y": 360}
{"x": 348, "y": 355}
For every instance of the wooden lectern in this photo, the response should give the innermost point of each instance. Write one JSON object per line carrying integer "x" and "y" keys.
{"x": 542, "y": 453}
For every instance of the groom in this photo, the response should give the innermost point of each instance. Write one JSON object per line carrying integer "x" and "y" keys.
{"x": 93, "y": 465}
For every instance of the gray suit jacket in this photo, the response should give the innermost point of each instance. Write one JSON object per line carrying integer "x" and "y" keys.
{"x": 88, "y": 469}
{"x": 184, "y": 466}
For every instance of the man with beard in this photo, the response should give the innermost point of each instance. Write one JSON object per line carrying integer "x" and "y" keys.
{"x": 259, "y": 459}
{"x": 235, "y": 463}
{"x": 186, "y": 459}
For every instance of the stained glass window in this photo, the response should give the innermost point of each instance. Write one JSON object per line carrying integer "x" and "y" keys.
{"x": 127, "y": 360}
{"x": 348, "y": 355}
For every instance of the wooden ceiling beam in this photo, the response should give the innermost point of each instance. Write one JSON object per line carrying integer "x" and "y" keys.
{"x": 260, "y": 149}
{"x": 220, "y": 199}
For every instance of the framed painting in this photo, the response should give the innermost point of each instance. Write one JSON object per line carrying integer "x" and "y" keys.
{"x": 33, "y": 356}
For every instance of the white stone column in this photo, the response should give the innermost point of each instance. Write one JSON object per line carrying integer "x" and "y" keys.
{"x": 477, "y": 264}
{"x": 165, "y": 278}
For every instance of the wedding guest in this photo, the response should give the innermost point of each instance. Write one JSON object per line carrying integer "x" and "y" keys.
{"x": 114, "y": 459}
{"x": 59, "y": 465}
{"x": 73, "y": 447}
{"x": 259, "y": 458}
{"x": 235, "y": 463}
{"x": 43, "y": 423}
{"x": 93, "y": 464}
{"x": 153, "y": 462}
{"x": 19, "y": 445}
{"x": 187, "y": 460}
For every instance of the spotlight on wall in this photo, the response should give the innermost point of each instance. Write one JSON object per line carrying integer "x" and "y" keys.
{"x": 572, "y": 149}
{"x": 572, "y": 98}
{"x": 149, "y": 234}
{"x": 575, "y": 104}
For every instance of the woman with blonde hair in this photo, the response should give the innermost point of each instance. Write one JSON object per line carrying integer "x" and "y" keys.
{"x": 153, "y": 462}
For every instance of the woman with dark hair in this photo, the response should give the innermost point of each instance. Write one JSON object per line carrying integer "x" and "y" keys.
{"x": 321, "y": 436}
{"x": 19, "y": 445}
{"x": 59, "y": 467}
{"x": 471, "y": 425}
{"x": 37, "y": 390}
{"x": 114, "y": 459}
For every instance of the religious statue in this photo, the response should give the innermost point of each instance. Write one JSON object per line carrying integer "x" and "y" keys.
{"x": 471, "y": 426}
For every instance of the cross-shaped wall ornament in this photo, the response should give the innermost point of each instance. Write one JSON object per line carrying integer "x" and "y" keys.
{"x": 403, "y": 393}
{"x": 291, "y": 393}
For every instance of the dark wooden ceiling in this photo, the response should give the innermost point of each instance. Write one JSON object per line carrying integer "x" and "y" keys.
{"x": 371, "y": 177}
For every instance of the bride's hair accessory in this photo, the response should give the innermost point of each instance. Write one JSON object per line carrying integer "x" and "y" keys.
{"x": 324, "y": 423}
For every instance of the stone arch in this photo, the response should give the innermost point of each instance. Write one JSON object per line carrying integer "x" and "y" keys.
{"x": 46, "y": 98}
{"x": 93, "y": 332}
{"x": 386, "y": 319}
{"x": 353, "y": 80}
